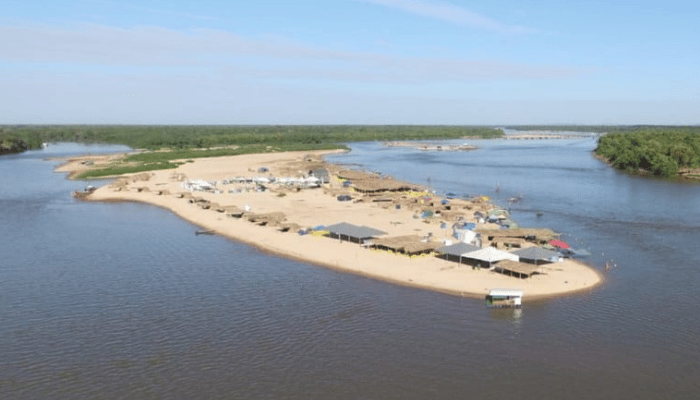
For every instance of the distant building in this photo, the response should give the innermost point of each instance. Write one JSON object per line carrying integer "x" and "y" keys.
{"x": 321, "y": 174}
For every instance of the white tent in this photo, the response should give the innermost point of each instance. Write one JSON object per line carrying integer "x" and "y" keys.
{"x": 491, "y": 255}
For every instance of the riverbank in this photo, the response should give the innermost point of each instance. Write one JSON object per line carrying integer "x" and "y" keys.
{"x": 265, "y": 214}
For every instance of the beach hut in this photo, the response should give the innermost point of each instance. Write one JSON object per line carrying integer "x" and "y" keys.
{"x": 322, "y": 175}
{"x": 516, "y": 269}
{"x": 537, "y": 255}
{"x": 410, "y": 245}
{"x": 456, "y": 250}
{"x": 490, "y": 255}
{"x": 497, "y": 214}
{"x": 353, "y": 233}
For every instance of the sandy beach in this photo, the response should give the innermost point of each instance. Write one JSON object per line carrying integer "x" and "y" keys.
{"x": 237, "y": 209}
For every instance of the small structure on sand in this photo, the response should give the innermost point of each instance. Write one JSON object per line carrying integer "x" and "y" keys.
{"x": 516, "y": 269}
{"x": 353, "y": 233}
{"x": 410, "y": 245}
{"x": 537, "y": 255}
{"x": 456, "y": 251}
{"x": 488, "y": 255}
{"x": 322, "y": 175}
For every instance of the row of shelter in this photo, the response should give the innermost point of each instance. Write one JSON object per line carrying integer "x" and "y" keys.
{"x": 521, "y": 263}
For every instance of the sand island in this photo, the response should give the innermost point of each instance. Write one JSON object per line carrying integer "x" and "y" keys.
{"x": 283, "y": 202}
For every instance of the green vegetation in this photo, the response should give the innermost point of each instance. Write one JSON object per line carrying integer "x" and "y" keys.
{"x": 189, "y": 142}
{"x": 156, "y": 160}
{"x": 12, "y": 143}
{"x": 181, "y": 137}
{"x": 126, "y": 169}
{"x": 660, "y": 152}
{"x": 587, "y": 128}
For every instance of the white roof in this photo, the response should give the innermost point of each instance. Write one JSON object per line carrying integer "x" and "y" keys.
{"x": 505, "y": 292}
{"x": 491, "y": 254}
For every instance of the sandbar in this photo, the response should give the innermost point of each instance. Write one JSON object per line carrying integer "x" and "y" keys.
{"x": 295, "y": 209}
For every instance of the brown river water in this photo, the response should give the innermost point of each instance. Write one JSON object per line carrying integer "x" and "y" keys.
{"x": 124, "y": 301}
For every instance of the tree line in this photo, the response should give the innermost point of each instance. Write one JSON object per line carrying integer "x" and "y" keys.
{"x": 659, "y": 151}
{"x": 205, "y": 136}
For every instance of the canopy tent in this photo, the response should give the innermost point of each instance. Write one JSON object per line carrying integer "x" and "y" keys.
{"x": 456, "y": 250}
{"x": 535, "y": 254}
{"x": 353, "y": 232}
{"x": 491, "y": 255}
{"x": 560, "y": 244}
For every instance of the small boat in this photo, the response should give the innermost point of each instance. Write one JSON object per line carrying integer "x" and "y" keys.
{"x": 208, "y": 232}
{"x": 81, "y": 194}
{"x": 501, "y": 298}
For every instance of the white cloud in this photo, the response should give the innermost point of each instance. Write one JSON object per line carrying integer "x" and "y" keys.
{"x": 452, "y": 14}
{"x": 260, "y": 58}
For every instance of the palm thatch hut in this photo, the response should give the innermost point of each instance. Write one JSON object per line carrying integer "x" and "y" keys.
{"x": 517, "y": 269}
{"x": 270, "y": 219}
{"x": 410, "y": 245}
{"x": 539, "y": 236}
{"x": 289, "y": 227}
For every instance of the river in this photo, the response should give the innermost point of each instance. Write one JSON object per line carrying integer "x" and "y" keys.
{"x": 122, "y": 300}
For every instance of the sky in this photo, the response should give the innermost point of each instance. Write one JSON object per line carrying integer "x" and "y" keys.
{"x": 496, "y": 62}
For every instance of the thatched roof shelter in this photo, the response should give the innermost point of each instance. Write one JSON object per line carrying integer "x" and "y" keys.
{"x": 144, "y": 176}
{"x": 382, "y": 185}
{"x": 452, "y": 215}
{"x": 289, "y": 227}
{"x": 272, "y": 219}
{"x": 533, "y": 234}
{"x": 226, "y": 209}
{"x": 208, "y": 204}
{"x": 365, "y": 182}
{"x": 409, "y": 244}
{"x": 120, "y": 184}
{"x": 517, "y": 269}
{"x": 354, "y": 175}
{"x": 236, "y": 213}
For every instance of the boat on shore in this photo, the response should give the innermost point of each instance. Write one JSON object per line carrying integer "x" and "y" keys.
{"x": 81, "y": 194}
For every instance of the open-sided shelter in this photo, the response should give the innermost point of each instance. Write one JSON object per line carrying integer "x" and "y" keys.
{"x": 409, "y": 244}
{"x": 353, "y": 233}
{"x": 490, "y": 255}
{"x": 517, "y": 269}
{"x": 536, "y": 255}
{"x": 456, "y": 251}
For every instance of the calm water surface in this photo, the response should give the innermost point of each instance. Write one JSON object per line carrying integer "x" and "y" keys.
{"x": 123, "y": 301}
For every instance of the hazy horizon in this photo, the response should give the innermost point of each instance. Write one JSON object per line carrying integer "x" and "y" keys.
{"x": 349, "y": 62}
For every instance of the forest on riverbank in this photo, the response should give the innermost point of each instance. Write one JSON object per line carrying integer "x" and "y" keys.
{"x": 154, "y": 137}
{"x": 666, "y": 152}
{"x": 189, "y": 142}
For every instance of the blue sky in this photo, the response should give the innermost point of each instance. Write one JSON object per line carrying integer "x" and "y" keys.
{"x": 350, "y": 62}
